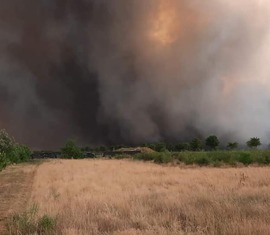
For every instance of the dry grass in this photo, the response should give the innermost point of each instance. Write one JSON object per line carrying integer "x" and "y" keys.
{"x": 127, "y": 197}
{"x": 15, "y": 189}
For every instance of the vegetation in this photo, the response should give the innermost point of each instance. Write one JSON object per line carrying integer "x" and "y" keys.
{"x": 11, "y": 152}
{"x": 196, "y": 145}
{"x": 30, "y": 223}
{"x": 232, "y": 145}
{"x": 126, "y": 197}
{"x": 254, "y": 142}
{"x": 212, "y": 142}
{"x": 214, "y": 158}
{"x": 72, "y": 150}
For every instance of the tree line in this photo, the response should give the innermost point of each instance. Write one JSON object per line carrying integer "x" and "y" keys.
{"x": 211, "y": 143}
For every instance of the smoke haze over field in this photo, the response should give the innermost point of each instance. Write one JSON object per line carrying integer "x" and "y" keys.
{"x": 131, "y": 71}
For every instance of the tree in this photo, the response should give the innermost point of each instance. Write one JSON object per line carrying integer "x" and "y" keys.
{"x": 71, "y": 150}
{"x": 212, "y": 142}
{"x": 254, "y": 142}
{"x": 196, "y": 144}
{"x": 6, "y": 142}
{"x": 182, "y": 147}
{"x": 232, "y": 145}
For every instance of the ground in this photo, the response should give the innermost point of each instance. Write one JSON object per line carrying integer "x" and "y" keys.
{"x": 15, "y": 190}
{"x": 133, "y": 198}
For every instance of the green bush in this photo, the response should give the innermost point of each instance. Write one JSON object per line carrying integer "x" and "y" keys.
{"x": 202, "y": 161}
{"x": 10, "y": 152}
{"x": 245, "y": 158}
{"x": 163, "y": 158}
{"x": 145, "y": 156}
{"x": 4, "y": 161}
{"x": 71, "y": 150}
{"x": 19, "y": 153}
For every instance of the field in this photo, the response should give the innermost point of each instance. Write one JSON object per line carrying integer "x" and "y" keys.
{"x": 133, "y": 197}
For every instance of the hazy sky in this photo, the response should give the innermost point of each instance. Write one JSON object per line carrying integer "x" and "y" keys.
{"x": 131, "y": 71}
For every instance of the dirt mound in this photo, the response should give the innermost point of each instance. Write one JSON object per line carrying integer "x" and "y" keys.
{"x": 141, "y": 149}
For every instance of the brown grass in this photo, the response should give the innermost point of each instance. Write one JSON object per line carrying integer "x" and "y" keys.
{"x": 15, "y": 190}
{"x": 126, "y": 197}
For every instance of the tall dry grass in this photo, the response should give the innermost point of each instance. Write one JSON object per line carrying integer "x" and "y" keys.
{"x": 127, "y": 197}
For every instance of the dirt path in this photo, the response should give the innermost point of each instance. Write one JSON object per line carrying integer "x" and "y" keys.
{"x": 15, "y": 189}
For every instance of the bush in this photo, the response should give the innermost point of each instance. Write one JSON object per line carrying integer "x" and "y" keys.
{"x": 196, "y": 145}
{"x": 10, "y": 152}
{"x": 245, "y": 158}
{"x": 202, "y": 161}
{"x": 163, "y": 158}
{"x": 20, "y": 153}
{"x": 71, "y": 150}
{"x": 4, "y": 161}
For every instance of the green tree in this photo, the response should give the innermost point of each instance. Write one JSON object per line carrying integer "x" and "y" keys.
{"x": 6, "y": 142}
{"x": 212, "y": 142}
{"x": 160, "y": 147}
{"x": 182, "y": 147}
{"x": 254, "y": 142}
{"x": 196, "y": 144}
{"x": 72, "y": 150}
{"x": 232, "y": 145}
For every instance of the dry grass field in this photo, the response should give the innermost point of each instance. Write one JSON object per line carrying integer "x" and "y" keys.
{"x": 131, "y": 198}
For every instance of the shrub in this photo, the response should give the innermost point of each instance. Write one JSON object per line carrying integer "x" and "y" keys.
{"x": 145, "y": 156}
{"x": 196, "y": 145}
{"x": 19, "y": 153}
{"x": 160, "y": 147}
{"x": 163, "y": 158}
{"x": 71, "y": 150}
{"x": 4, "y": 161}
{"x": 202, "y": 161}
{"x": 245, "y": 158}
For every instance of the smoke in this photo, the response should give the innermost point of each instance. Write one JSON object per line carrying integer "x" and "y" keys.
{"x": 134, "y": 71}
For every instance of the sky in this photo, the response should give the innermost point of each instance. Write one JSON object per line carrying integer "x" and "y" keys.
{"x": 134, "y": 71}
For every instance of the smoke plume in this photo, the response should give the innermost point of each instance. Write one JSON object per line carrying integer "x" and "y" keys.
{"x": 133, "y": 71}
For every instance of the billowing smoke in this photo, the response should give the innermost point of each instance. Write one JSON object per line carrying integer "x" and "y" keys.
{"x": 131, "y": 71}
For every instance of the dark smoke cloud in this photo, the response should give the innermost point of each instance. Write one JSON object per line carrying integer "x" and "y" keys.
{"x": 130, "y": 71}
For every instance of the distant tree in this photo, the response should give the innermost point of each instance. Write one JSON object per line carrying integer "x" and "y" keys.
{"x": 71, "y": 150}
{"x": 232, "y": 145}
{"x": 196, "y": 144}
{"x": 170, "y": 147}
{"x": 160, "y": 147}
{"x": 7, "y": 143}
{"x": 212, "y": 142}
{"x": 254, "y": 142}
{"x": 182, "y": 147}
